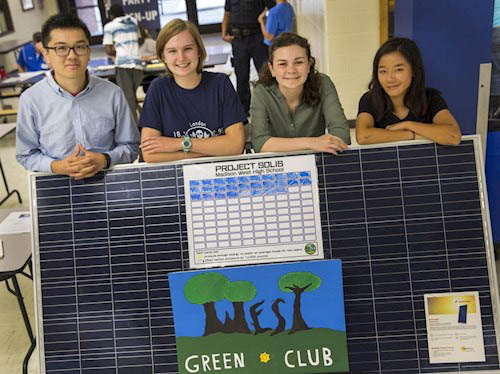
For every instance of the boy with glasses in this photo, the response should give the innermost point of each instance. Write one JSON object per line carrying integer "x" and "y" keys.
{"x": 73, "y": 123}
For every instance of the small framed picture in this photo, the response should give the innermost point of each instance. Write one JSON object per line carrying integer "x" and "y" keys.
{"x": 27, "y": 5}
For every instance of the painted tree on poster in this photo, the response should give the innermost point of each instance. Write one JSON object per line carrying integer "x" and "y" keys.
{"x": 298, "y": 283}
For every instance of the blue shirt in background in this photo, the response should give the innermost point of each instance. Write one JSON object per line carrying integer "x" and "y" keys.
{"x": 51, "y": 122}
{"x": 30, "y": 60}
{"x": 279, "y": 20}
{"x": 202, "y": 112}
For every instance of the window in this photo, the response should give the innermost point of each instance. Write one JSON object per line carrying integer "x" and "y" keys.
{"x": 170, "y": 9}
{"x": 210, "y": 11}
{"x": 206, "y": 14}
{"x": 5, "y": 19}
{"x": 88, "y": 11}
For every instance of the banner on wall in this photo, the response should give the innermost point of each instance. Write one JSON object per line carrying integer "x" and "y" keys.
{"x": 145, "y": 11}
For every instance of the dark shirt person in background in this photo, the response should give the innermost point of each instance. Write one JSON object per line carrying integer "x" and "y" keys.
{"x": 31, "y": 58}
{"x": 241, "y": 28}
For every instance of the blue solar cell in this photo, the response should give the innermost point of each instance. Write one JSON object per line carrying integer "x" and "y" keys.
{"x": 257, "y": 192}
{"x": 268, "y": 184}
{"x": 281, "y": 190}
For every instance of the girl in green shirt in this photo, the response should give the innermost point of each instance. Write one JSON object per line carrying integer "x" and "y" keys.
{"x": 293, "y": 106}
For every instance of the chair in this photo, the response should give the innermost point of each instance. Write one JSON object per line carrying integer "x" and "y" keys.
{"x": 16, "y": 258}
{"x": 12, "y": 275}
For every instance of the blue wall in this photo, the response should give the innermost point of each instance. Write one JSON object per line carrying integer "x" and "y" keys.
{"x": 455, "y": 38}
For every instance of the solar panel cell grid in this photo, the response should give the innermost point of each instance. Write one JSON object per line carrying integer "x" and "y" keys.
{"x": 405, "y": 220}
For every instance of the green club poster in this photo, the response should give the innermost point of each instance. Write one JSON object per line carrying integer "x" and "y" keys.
{"x": 279, "y": 318}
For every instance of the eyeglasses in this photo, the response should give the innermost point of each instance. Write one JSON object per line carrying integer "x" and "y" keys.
{"x": 63, "y": 51}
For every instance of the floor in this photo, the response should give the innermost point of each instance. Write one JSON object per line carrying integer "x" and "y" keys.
{"x": 14, "y": 341}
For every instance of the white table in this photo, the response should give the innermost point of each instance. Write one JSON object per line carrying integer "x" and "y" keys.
{"x": 17, "y": 257}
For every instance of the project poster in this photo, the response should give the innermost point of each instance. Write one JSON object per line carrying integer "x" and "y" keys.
{"x": 261, "y": 319}
{"x": 454, "y": 329}
{"x": 253, "y": 211}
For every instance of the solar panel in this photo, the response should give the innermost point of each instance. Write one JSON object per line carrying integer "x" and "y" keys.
{"x": 405, "y": 219}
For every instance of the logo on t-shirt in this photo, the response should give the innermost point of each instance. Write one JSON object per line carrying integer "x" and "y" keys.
{"x": 200, "y": 130}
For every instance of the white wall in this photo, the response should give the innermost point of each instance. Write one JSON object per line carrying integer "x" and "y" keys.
{"x": 311, "y": 25}
{"x": 344, "y": 36}
{"x": 25, "y": 24}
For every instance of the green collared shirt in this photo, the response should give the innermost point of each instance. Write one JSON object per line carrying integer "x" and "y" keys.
{"x": 270, "y": 116}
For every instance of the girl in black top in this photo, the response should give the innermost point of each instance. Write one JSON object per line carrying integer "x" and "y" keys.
{"x": 398, "y": 106}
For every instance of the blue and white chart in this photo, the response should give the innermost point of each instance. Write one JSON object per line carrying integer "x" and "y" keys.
{"x": 253, "y": 211}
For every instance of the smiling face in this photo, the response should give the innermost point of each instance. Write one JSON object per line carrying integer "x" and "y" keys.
{"x": 72, "y": 66}
{"x": 181, "y": 55}
{"x": 290, "y": 67}
{"x": 394, "y": 74}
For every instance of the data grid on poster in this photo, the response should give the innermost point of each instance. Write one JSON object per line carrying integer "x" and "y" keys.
{"x": 263, "y": 211}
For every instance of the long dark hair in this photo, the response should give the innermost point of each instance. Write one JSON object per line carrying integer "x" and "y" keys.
{"x": 312, "y": 84}
{"x": 415, "y": 99}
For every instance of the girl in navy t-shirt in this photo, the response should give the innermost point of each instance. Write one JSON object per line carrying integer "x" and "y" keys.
{"x": 398, "y": 106}
{"x": 189, "y": 113}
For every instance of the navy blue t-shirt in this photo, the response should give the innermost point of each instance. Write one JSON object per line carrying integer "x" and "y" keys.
{"x": 202, "y": 112}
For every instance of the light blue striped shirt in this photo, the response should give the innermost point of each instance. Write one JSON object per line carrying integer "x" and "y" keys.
{"x": 51, "y": 122}
{"x": 496, "y": 14}
{"x": 123, "y": 33}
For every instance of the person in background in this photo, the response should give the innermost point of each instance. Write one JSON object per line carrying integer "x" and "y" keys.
{"x": 73, "y": 123}
{"x": 241, "y": 28}
{"x": 31, "y": 57}
{"x": 190, "y": 112}
{"x": 147, "y": 50}
{"x": 121, "y": 40}
{"x": 147, "y": 45}
{"x": 279, "y": 20}
{"x": 398, "y": 106}
{"x": 293, "y": 105}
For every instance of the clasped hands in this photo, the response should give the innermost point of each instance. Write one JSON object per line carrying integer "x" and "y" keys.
{"x": 80, "y": 164}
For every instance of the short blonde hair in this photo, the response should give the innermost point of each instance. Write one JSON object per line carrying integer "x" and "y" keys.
{"x": 173, "y": 28}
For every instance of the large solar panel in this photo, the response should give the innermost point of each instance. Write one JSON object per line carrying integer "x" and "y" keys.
{"x": 406, "y": 220}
